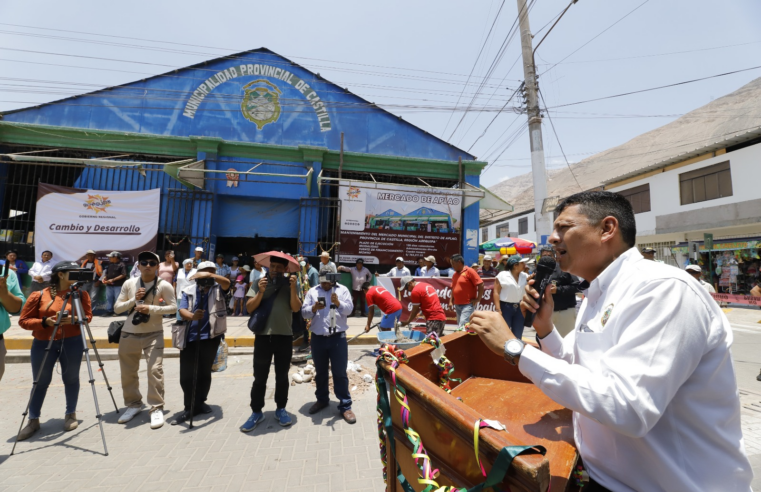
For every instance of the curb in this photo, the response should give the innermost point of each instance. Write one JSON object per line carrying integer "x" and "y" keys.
{"x": 239, "y": 342}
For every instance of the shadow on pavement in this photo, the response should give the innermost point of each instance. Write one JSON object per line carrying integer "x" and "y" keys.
{"x": 42, "y": 437}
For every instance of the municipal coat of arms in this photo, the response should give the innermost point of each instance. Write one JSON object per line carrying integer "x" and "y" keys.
{"x": 261, "y": 102}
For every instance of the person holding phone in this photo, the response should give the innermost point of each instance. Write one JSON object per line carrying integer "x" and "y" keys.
{"x": 39, "y": 316}
{"x": 11, "y": 301}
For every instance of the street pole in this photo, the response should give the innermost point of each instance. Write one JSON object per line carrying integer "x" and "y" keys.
{"x": 539, "y": 174}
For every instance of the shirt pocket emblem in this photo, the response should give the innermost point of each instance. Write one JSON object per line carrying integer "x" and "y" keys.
{"x": 606, "y": 314}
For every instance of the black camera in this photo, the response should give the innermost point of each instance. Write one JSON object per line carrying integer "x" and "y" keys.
{"x": 205, "y": 282}
{"x": 81, "y": 275}
{"x": 139, "y": 318}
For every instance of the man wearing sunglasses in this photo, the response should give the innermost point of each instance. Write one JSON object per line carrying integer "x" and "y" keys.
{"x": 143, "y": 334}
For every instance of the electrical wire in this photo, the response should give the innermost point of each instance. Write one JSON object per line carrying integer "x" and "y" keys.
{"x": 557, "y": 139}
{"x": 495, "y": 118}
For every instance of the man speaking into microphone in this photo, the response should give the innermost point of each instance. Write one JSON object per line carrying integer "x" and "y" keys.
{"x": 647, "y": 369}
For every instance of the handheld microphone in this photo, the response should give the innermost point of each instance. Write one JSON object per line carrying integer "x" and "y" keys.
{"x": 545, "y": 267}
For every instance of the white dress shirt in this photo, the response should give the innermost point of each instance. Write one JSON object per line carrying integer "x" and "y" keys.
{"x": 42, "y": 269}
{"x": 512, "y": 290}
{"x": 648, "y": 374}
{"x": 183, "y": 281}
{"x": 321, "y": 319}
{"x": 396, "y": 272}
{"x": 431, "y": 272}
{"x": 708, "y": 287}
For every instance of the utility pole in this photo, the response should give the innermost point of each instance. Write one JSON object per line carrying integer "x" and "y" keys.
{"x": 539, "y": 174}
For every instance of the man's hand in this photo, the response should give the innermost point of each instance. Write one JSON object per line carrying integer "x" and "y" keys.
{"x": 262, "y": 284}
{"x": 197, "y": 315}
{"x": 317, "y": 306}
{"x": 553, "y": 288}
{"x": 492, "y": 329}
{"x": 140, "y": 294}
{"x": 292, "y": 281}
{"x": 334, "y": 300}
{"x": 200, "y": 275}
{"x": 543, "y": 319}
{"x": 3, "y": 285}
{"x": 450, "y": 306}
{"x": 142, "y": 308}
{"x": 367, "y": 328}
{"x": 404, "y": 323}
{"x": 475, "y": 303}
{"x": 38, "y": 278}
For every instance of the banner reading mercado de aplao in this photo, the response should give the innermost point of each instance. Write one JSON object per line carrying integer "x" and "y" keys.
{"x": 382, "y": 222}
{"x": 70, "y": 221}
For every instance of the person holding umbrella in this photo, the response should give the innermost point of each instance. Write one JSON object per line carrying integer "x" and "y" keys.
{"x": 279, "y": 292}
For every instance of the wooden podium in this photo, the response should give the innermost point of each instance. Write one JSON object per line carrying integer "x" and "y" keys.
{"x": 491, "y": 388}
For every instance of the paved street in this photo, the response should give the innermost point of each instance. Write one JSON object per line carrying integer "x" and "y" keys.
{"x": 319, "y": 452}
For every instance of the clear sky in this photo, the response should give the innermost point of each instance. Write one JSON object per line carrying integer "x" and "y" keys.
{"x": 413, "y": 58}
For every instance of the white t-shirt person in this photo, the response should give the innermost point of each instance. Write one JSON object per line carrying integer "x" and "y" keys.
{"x": 512, "y": 290}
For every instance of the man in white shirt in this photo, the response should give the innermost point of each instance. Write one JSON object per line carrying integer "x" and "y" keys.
{"x": 399, "y": 270}
{"x": 697, "y": 273}
{"x": 647, "y": 370}
{"x": 325, "y": 264}
{"x": 41, "y": 271}
{"x": 430, "y": 268}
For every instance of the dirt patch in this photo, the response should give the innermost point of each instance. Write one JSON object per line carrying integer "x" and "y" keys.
{"x": 357, "y": 385}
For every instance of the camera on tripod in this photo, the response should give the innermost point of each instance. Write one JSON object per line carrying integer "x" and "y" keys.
{"x": 82, "y": 275}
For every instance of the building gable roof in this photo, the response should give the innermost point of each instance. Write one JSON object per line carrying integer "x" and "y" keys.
{"x": 254, "y": 96}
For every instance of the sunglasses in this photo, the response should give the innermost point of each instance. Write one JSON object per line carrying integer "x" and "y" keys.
{"x": 149, "y": 263}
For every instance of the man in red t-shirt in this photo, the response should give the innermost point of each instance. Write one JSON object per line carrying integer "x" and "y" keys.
{"x": 424, "y": 297}
{"x": 467, "y": 290}
{"x": 386, "y": 302}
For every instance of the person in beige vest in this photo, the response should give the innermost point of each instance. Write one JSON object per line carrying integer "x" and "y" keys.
{"x": 143, "y": 334}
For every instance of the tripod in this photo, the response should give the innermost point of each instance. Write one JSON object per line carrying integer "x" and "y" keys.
{"x": 81, "y": 320}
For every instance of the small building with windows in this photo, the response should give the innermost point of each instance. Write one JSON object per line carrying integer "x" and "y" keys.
{"x": 700, "y": 174}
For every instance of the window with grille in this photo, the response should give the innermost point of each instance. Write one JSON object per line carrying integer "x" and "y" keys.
{"x": 484, "y": 234}
{"x": 523, "y": 225}
{"x": 639, "y": 197}
{"x": 708, "y": 183}
{"x": 503, "y": 230}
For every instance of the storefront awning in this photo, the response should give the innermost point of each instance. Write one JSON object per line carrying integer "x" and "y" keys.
{"x": 721, "y": 245}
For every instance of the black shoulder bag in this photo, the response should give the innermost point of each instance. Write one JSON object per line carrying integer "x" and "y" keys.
{"x": 115, "y": 327}
{"x": 258, "y": 320}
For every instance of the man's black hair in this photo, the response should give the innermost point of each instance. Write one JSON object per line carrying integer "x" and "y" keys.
{"x": 457, "y": 258}
{"x": 597, "y": 205}
{"x": 46, "y": 251}
{"x": 366, "y": 286}
{"x": 420, "y": 258}
{"x": 278, "y": 260}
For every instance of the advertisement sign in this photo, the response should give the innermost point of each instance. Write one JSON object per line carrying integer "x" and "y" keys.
{"x": 70, "y": 221}
{"x": 382, "y": 222}
{"x": 737, "y": 299}
{"x": 443, "y": 286}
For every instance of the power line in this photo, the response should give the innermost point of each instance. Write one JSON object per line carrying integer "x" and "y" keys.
{"x": 658, "y": 87}
{"x": 495, "y": 118}
{"x": 597, "y": 36}
{"x": 475, "y": 64}
{"x": 557, "y": 139}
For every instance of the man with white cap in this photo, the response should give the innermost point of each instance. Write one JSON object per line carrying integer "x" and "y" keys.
{"x": 697, "y": 273}
{"x": 143, "y": 335}
{"x": 326, "y": 264}
{"x": 198, "y": 256}
{"x": 430, "y": 268}
{"x": 399, "y": 270}
{"x": 488, "y": 270}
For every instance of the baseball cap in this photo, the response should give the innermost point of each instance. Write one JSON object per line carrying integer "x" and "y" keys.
{"x": 113, "y": 254}
{"x": 525, "y": 260}
{"x": 512, "y": 261}
{"x": 487, "y": 258}
{"x": 187, "y": 260}
{"x": 148, "y": 255}
{"x": 235, "y": 258}
{"x": 207, "y": 264}
{"x": 220, "y": 255}
{"x": 648, "y": 250}
{"x": 246, "y": 268}
{"x": 694, "y": 268}
{"x": 63, "y": 266}
{"x": 360, "y": 260}
{"x": 199, "y": 249}
{"x": 90, "y": 252}
{"x": 400, "y": 259}
{"x": 405, "y": 281}
{"x": 303, "y": 263}
{"x": 430, "y": 258}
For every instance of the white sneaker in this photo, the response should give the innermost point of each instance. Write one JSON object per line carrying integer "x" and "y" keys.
{"x": 129, "y": 414}
{"x": 157, "y": 418}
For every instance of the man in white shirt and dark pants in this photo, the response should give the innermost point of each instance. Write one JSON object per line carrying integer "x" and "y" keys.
{"x": 399, "y": 270}
{"x": 647, "y": 370}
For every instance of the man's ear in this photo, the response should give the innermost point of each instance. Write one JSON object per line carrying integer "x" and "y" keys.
{"x": 609, "y": 228}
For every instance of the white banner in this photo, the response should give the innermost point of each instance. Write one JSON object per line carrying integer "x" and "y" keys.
{"x": 71, "y": 221}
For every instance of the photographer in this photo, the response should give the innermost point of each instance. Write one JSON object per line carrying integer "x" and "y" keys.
{"x": 275, "y": 340}
{"x": 143, "y": 333}
{"x": 39, "y": 315}
{"x": 11, "y": 301}
{"x": 328, "y": 306}
{"x": 203, "y": 307}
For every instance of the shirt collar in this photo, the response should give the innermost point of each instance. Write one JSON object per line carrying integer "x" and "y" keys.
{"x": 603, "y": 281}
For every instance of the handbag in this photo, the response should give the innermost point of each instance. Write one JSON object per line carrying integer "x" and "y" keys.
{"x": 115, "y": 327}
{"x": 258, "y": 320}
